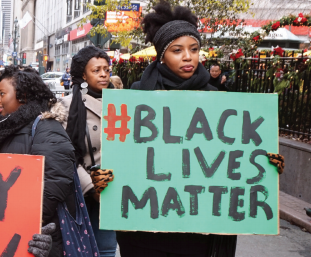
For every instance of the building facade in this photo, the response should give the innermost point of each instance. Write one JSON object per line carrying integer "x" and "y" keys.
{"x": 54, "y": 30}
{"x": 7, "y": 20}
{"x": 27, "y": 40}
{"x": 48, "y": 21}
{"x": 75, "y": 10}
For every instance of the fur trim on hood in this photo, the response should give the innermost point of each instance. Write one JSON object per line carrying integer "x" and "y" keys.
{"x": 57, "y": 112}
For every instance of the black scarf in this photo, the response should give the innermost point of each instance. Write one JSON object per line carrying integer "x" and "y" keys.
{"x": 158, "y": 76}
{"x": 77, "y": 119}
{"x": 95, "y": 94}
{"x": 10, "y": 124}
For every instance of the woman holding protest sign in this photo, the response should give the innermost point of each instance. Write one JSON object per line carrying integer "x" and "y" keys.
{"x": 90, "y": 75}
{"x": 30, "y": 123}
{"x": 177, "y": 42}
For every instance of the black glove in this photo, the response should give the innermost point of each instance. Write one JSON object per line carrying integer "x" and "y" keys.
{"x": 41, "y": 244}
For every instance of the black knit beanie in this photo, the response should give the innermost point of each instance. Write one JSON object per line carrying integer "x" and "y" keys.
{"x": 171, "y": 31}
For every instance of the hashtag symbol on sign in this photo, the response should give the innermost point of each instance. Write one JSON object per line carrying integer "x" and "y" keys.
{"x": 112, "y": 118}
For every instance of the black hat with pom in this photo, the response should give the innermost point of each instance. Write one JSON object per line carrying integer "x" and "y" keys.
{"x": 165, "y": 25}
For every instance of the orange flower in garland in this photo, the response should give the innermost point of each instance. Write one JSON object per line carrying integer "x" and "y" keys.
{"x": 276, "y": 25}
{"x": 300, "y": 19}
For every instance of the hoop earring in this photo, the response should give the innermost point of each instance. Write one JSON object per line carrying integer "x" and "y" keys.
{"x": 84, "y": 86}
{"x": 21, "y": 101}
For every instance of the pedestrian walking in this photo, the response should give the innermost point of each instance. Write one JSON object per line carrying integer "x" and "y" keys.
{"x": 23, "y": 97}
{"x": 177, "y": 41}
{"x": 90, "y": 75}
{"x": 66, "y": 78}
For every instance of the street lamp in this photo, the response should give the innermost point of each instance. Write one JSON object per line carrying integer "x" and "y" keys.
{"x": 15, "y": 40}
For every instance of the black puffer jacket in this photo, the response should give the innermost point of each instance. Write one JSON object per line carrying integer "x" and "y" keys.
{"x": 51, "y": 141}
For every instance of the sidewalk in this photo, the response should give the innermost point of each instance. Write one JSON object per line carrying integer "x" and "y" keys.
{"x": 291, "y": 209}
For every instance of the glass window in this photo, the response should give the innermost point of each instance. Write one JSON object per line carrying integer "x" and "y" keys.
{"x": 57, "y": 50}
{"x": 77, "y": 4}
{"x": 77, "y": 9}
{"x": 69, "y": 10}
{"x": 65, "y": 48}
{"x": 85, "y": 9}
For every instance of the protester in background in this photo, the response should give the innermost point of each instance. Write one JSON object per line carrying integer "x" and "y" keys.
{"x": 66, "y": 78}
{"x": 90, "y": 76}
{"x": 24, "y": 96}
{"x": 117, "y": 82}
{"x": 217, "y": 79}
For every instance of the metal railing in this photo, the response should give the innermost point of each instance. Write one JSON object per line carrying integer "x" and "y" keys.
{"x": 253, "y": 75}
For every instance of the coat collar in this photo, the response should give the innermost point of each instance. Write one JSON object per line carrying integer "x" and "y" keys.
{"x": 93, "y": 104}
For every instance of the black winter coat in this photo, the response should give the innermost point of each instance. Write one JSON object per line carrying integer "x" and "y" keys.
{"x": 51, "y": 141}
{"x": 216, "y": 82}
{"x": 180, "y": 243}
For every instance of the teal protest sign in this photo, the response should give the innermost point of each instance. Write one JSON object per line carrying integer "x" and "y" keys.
{"x": 190, "y": 161}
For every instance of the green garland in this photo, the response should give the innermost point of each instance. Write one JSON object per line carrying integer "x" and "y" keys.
{"x": 257, "y": 37}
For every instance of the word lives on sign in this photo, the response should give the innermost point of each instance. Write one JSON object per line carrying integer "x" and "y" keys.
{"x": 21, "y": 192}
{"x": 190, "y": 161}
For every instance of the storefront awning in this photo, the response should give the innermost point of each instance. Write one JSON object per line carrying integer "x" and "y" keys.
{"x": 280, "y": 34}
{"x": 80, "y": 32}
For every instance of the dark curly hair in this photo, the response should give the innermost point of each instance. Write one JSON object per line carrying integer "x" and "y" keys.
{"x": 164, "y": 14}
{"x": 28, "y": 84}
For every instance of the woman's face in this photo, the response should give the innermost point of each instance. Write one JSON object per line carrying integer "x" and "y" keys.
{"x": 8, "y": 101}
{"x": 96, "y": 74}
{"x": 182, "y": 56}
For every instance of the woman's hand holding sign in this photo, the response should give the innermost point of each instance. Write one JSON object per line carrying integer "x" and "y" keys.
{"x": 277, "y": 160}
{"x": 101, "y": 178}
{"x": 41, "y": 244}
